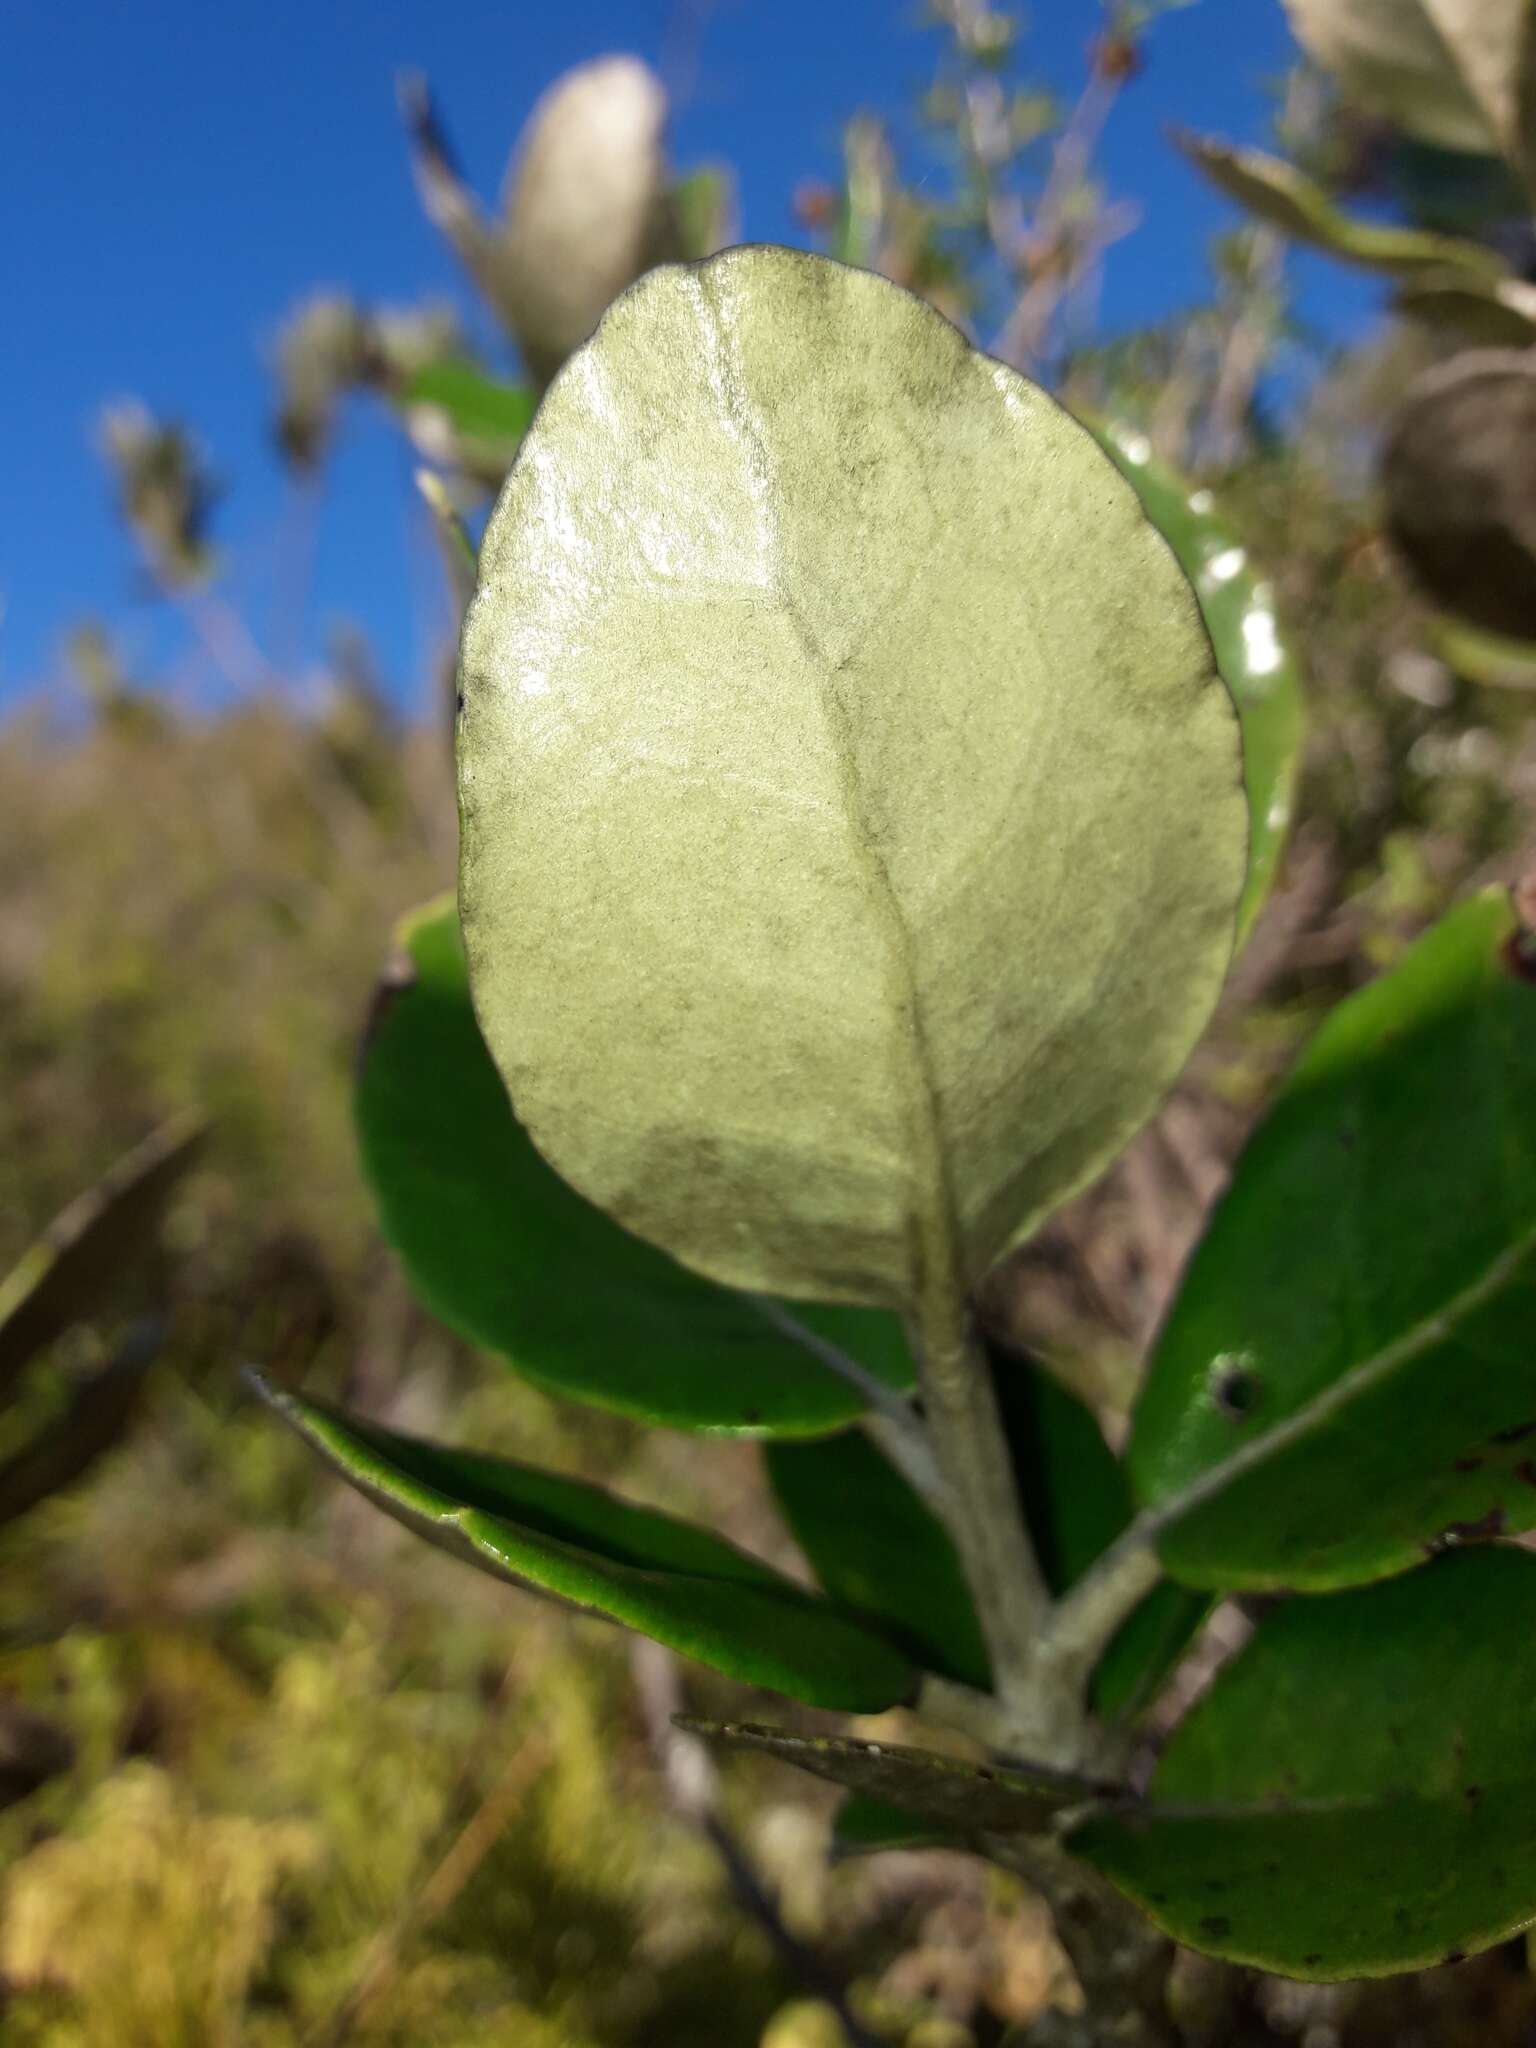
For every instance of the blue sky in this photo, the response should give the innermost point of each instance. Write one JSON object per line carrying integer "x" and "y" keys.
{"x": 177, "y": 176}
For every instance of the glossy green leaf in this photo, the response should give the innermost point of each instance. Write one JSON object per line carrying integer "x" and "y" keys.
{"x": 1239, "y": 608}
{"x": 1447, "y": 70}
{"x": 1288, "y": 199}
{"x": 685, "y": 1586}
{"x": 877, "y": 1548}
{"x": 973, "y": 1799}
{"x": 1347, "y": 1375}
{"x": 1077, "y": 1500}
{"x": 499, "y": 1246}
{"x": 1356, "y": 1794}
{"x": 98, "y": 1240}
{"x": 852, "y": 821}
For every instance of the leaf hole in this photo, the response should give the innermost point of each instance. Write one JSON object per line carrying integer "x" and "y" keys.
{"x": 1236, "y": 1390}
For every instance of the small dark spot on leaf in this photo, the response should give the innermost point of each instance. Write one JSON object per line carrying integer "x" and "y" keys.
{"x": 1158, "y": 1898}
{"x": 985, "y": 1775}
{"x": 1526, "y": 1471}
{"x": 1468, "y": 1464}
{"x": 1312, "y": 1961}
{"x": 1454, "y": 1955}
{"x": 458, "y": 702}
{"x": 751, "y": 1415}
{"x": 1237, "y": 1391}
{"x": 1216, "y": 1925}
{"x": 1480, "y": 1531}
{"x": 1472, "y": 1794}
{"x": 1517, "y": 1435}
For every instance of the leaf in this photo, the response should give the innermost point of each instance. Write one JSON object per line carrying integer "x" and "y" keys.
{"x": 851, "y": 822}
{"x": 685, "y": 1586}
{"x": 1239, "y": 610}
{"x": 864, "y": 1826}
{"x": 1482, "y": 312}
{"x": 500, "y": 1248}
{"x": 1356, "y": 1794}
{"x": 585, "y": 206}
{"x": 1447, "y": 70}
{"x": 458, "y": 414}
{"x": 878, "y": 1549}
{"x": 92, "y": 1421}
{"x": 974, "y": 1799}
{"x": 703, "y": 208}
{"x": 62, "y": 1277}
{"x": 1289, "y": 200}
{"x": 1459, "y": 473}
{"x": 1347, "y": 1376}
{"x": 1483, "y": 657}
{"x": 1077, "y": 1500}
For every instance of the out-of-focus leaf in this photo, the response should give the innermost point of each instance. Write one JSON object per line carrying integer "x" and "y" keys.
{"x": 1077, "y": 1500}
{"x": 1347, "y": 1375}
{"x": 878, "y": 1549}
{"x": 1356, "y": 1794}
{"x": 96, "y": 1241}
{"x": 1260, "y": 671}
{"x": 454, "y": 543}
{"x": 1483, "y": 657}
{"x": 972, "y": 1799}
{"x": 456, "y": 413}
{"x": 852, "y": 815}
{"x": 1448, "y": 70}
{"x": 1486, "y": 312}
{"x": 683, "y": 1585}
{"x": 33, "y": 1749}
{"x": 499, "y": 1246}
{"x": 863, "y": 1826}
{"x": 866, "y": 186}
{"x": 1289, "y": 200}
{"x": 704, "y": 211}
{"x": 585, "y": 207}
{"x": 1459, "y": 472}
{"x": 95, "y": 1415}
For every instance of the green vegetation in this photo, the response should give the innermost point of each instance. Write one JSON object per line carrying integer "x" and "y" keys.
{"x": 271, "y": 1771}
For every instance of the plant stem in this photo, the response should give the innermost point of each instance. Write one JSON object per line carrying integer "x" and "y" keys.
{"x": 984, "y": 1512}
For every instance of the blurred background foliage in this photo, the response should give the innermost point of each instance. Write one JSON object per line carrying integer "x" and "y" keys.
{"x": 271, "y": 1773}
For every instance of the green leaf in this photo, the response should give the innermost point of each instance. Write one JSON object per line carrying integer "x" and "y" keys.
{"x": 1356, "y": 1794}
{"x": 852, "y": 822}
{"x": 1347, "y": 1374}
{"x": 1239, "y": 609}
{"x": 878, "y": 1549}
{"x": 685, "y": 1586}
{"x": 498, "y": 1245}
{"x": 863, "y": 1826}
{"x": 93, "y": 1420}
{"x": 455, "y": 413}
{"x": 973, "y": 1799}
{"x": 103, "y": 1234}
{"x": 1446, "y": 70}
{"x": 703, "y": 210}
{"x": 478, "y": 408}
{"x": 1289, "y": 200}
{"x": 1077, "y": 1500}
